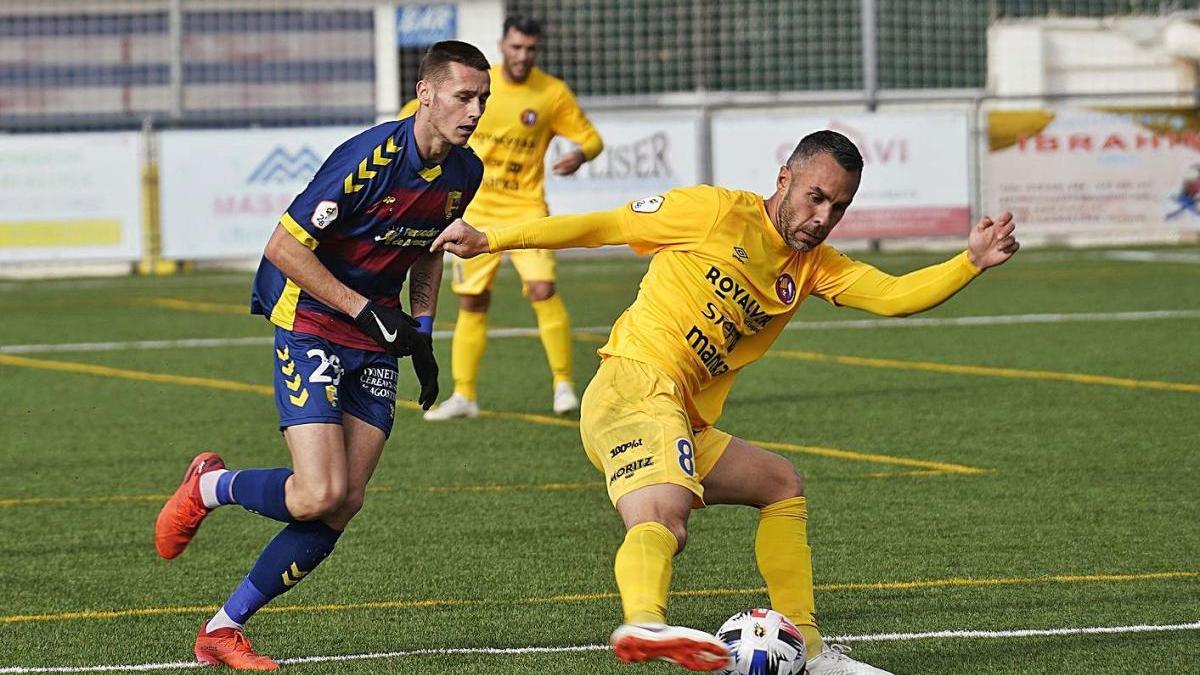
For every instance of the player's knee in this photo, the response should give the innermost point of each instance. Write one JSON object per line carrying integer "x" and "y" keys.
{"x": 786, "y": 482}
{"x": 539, "y": 290}
{"x": 352, "y": 504}
{"x": 790, "y": 483}
{"x": 317, "y": 501}
{"x": 679, "y": 529}
{"x": 340, "y": 517}
{"x": 476, "y": 303}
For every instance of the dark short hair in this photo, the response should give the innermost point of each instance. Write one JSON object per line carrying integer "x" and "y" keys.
{"x": 442, "y": 54}
{"x": 524, "y": 24}
{"x": 843, "y": 150}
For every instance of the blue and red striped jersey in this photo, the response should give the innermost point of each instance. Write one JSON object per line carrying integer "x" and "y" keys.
{"x": 371, "y": 210}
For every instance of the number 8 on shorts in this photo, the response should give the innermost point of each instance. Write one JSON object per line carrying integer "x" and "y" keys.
{"x": 687, "y": 456}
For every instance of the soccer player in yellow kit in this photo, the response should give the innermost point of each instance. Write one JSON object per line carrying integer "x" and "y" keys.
{"x": 527, "y": 109}
{"x": 728, "y": 273}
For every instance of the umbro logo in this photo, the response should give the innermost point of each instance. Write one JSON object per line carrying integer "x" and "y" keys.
{"x": 740, "y": 254}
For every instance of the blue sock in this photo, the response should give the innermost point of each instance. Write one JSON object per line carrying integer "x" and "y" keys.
{"x": 288, "y": 558}
{"x": 257, "y": 490}
{"x": 224, "y": 483}
{"x": 244, "y": 602}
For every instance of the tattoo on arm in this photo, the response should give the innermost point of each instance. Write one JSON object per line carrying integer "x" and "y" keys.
{"x": 420, "y": 289}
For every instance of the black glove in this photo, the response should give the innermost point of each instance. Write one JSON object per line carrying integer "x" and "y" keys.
{"x": 426, "y": 368}
{"x": 392, "y": 329}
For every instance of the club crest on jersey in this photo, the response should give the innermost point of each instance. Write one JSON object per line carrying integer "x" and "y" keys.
{"x": 528, "y": 117}
{"x": 325, "y": 213}
{"x": 785, "y": 288}
{"x": 453, "y": 200}
{"x": 648, "y": 204}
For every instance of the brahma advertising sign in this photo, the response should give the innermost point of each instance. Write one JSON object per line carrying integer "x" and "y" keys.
{"x": 1103, "y": 174}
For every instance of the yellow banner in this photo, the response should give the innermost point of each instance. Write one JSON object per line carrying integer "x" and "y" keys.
{"x": 60, "y": 233}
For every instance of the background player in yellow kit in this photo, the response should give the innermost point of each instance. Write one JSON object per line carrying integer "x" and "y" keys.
{"x": 527, "y": 109}
{"x": 729, "y": 271}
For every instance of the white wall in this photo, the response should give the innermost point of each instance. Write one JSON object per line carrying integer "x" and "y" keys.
{"x": 1038, "y": 57}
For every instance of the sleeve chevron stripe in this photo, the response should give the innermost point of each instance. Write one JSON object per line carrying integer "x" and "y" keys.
{"x": 378, "y": 160}
{"x": 363, "y": 172}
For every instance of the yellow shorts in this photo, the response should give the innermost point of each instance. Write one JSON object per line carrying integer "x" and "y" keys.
{"x": 636, "y": 431}
{"x": 474, "y": 276}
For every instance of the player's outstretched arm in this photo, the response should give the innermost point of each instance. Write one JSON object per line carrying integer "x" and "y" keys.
{"x": 584, "y": 230}
{"x": 991, "y": 242}
{"x": 462, "y": 240}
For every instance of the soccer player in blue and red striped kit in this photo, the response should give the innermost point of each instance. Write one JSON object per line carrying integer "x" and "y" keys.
{"x": 330, "y": 282}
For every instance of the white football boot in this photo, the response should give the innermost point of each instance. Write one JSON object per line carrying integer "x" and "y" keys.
{"x": 454, "y": 407}
{"x": 833, "y": 661}
{"x": 565, "y": 400}
{"x": 690, "y": 648}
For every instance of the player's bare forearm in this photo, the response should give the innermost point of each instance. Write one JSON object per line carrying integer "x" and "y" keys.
{"x": 301, "y": 265}
{"x": 424, "y": 279}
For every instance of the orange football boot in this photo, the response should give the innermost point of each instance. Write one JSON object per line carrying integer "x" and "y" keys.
{"x": 230, "y": 647}
{"x": 692, "y": 649}
{"x": 181, "y": 516}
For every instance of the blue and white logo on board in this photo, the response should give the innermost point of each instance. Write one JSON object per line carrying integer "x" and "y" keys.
{"x": 282, "y": 166}
{"x": 421, "y": 25}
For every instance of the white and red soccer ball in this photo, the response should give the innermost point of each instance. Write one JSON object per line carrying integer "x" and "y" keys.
{"x": 762, "y": 642}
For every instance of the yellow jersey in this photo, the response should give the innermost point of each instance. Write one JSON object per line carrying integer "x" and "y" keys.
{"x": 723, "y": 283}
{"x": 512, "y": 138}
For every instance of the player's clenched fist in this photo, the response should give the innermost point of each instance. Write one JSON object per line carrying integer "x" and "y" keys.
{"x": 462, "y": 240}
{"x": 397, "y": 333}
{"x": 391, "y": 329}
{"x": 992, "y": 242}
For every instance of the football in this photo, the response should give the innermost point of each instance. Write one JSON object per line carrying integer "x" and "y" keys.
{"x": 762, "y": 642}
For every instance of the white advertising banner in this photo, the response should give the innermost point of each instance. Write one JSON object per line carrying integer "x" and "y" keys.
{"x": 71, "y": 197}
{"x": 222, "y": 192}
{"x": 915, "y": 181}
{"x": 644, "y": 154}
{"x": 1125, "y": 174}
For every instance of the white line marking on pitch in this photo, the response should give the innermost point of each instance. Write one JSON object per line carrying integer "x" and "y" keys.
{"x": 997, "y": 319}
{"x": 877, "y": 637}
{"x": 602, "y": 330}
{"x": 1153, "y": 256}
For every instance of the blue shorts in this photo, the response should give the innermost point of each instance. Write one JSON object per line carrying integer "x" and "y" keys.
{"x": 316, "y": 381}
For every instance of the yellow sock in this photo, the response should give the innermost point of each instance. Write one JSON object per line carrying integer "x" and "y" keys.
{"x": 785, "y": 562}
{"x": 554, "y": 326}
{"x": 643, "y": 570}
{"x": 466, "y": 350}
